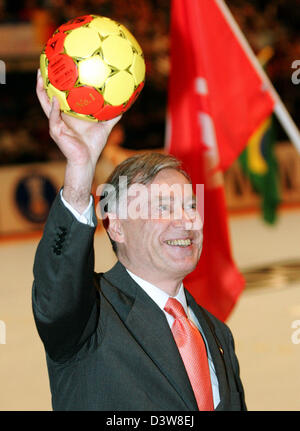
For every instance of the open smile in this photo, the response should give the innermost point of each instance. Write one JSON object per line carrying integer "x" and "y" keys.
{"x": 179, "y": 242}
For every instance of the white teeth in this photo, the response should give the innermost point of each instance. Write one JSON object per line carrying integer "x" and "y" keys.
{"x": 181, "y": 242}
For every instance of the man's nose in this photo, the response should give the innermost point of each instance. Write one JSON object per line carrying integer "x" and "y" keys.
{"x": 188, "y": 219}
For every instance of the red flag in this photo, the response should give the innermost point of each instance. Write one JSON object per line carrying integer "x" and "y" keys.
{"x": 216, "y": 101}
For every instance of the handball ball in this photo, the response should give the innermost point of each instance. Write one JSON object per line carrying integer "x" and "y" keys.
{"x": 94, "y": 67}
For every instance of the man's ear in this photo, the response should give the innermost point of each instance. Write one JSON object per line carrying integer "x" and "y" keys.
{"x": 114, "y": 228}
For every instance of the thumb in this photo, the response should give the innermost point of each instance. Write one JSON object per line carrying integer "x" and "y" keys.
{"x": 109, "y": 125}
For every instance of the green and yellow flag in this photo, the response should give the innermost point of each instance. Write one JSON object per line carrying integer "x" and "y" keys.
{"x": 259, "y": 163}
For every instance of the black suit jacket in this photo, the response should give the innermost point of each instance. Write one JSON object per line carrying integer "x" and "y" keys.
{"x": 108, "y": 345}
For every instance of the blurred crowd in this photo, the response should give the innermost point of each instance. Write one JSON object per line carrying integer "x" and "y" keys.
{"x": 271, "y": 27}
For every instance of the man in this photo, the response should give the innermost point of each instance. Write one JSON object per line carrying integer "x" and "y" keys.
{"x": 132, "y": 338}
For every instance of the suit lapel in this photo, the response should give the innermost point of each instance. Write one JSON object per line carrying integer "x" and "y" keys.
{"x": 215, "y": 351}
{"x": 149, "y": 326}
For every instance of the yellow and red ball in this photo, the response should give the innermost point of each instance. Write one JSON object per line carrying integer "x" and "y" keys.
{"x": 94, "y": 66}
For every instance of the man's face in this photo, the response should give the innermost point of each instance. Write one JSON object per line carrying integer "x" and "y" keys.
{"x": 159, "y": 238}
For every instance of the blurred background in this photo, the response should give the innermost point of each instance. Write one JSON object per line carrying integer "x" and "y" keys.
{"x": 266, "y": 249}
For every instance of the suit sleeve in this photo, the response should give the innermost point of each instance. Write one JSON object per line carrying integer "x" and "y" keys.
{"x": 64, "y": 295}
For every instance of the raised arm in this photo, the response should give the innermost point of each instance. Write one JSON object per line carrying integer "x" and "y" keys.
{"x": 81, "y": 142}
{"x": 64, "y": 295}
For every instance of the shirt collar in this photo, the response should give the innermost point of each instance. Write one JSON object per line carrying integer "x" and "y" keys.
{"x": 158, "y": 295}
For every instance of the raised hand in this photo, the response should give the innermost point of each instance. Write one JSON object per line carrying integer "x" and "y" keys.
{"x": 80, "y": 141}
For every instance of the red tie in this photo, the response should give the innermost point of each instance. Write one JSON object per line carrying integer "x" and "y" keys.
{"x": 193, "y": 353}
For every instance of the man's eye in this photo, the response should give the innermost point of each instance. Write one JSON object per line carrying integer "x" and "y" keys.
{"x": 192, "y": 206}
{"x": 164, "y": 207}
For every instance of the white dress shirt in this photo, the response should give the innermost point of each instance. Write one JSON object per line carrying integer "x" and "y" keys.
{"x": 157, "y": 295}
{"x": 86, "y": 217}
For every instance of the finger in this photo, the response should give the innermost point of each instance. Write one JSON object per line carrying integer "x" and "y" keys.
{"x": 55, "y": 120}
{"x": 55, "y": 111}
{"x": 75, "y": 123}
{"x": 42, "y": 95}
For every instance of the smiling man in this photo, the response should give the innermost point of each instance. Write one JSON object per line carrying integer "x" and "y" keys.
{"x": 160, "y": 239}
{"x": 132, "y": 338}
